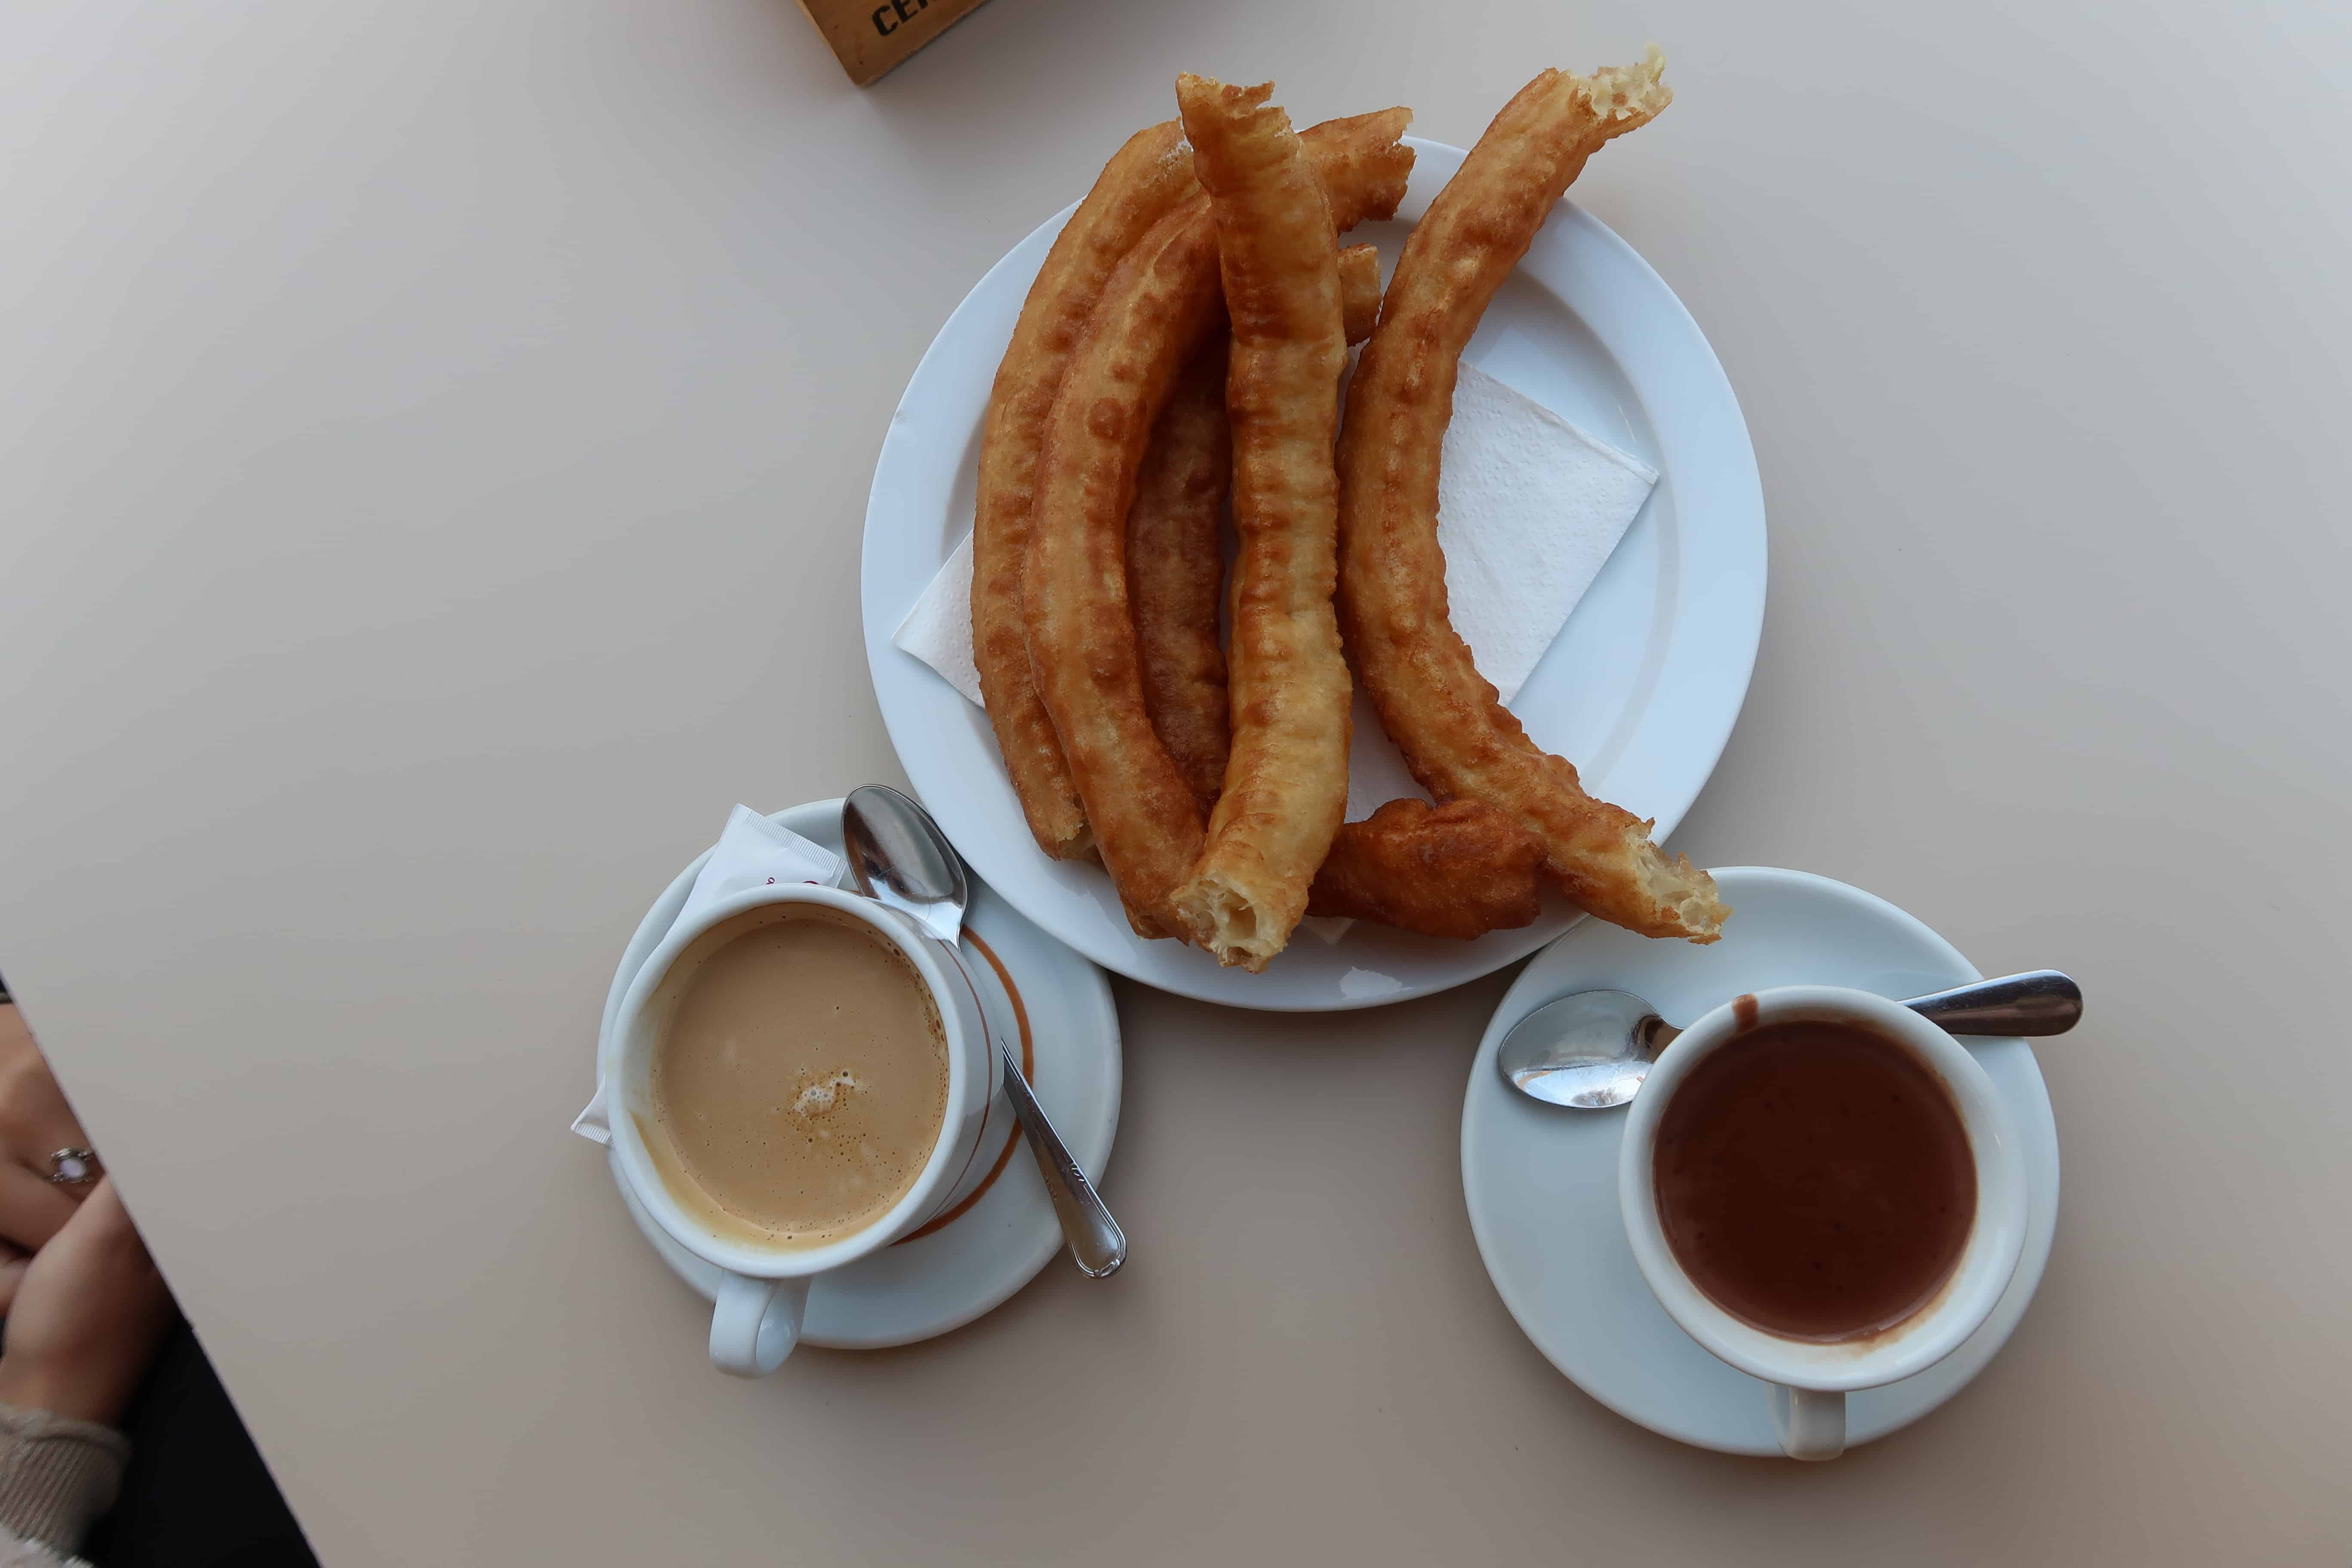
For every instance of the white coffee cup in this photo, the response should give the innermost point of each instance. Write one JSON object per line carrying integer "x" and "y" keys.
{"x": 1809, "y": 1379}
{"x": 757, "y": 1321}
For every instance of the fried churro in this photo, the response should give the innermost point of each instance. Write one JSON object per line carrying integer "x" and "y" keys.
{"x": 1156, "y": 309}
{"x": 1285, "y": 786}
{"x": 1173, "y": 573}
{"x": 1360, "y": 291}
{"x": 1456, "y": 737}
{"x": 1146, "y": 178}
{"x": 1173, "y": 562}
{"x": 1458, "y": 871}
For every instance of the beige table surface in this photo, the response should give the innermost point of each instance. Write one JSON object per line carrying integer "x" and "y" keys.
{"x": 434, "y": 438}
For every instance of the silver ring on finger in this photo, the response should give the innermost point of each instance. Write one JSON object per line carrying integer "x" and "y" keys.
{"x": 75, "y": 1167}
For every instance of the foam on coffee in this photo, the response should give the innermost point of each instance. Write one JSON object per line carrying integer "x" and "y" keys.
{"x": 801, "y": 1080}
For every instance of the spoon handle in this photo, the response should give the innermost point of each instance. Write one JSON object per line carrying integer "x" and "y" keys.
{"x": 2038, "y": 1002}
{"x": 1097, "y": 1244}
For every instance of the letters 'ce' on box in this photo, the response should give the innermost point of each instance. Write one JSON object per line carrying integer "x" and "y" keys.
{"x": 871, "y": 40}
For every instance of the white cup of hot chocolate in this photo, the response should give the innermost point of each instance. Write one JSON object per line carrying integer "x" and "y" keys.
{"x": 803, "y": 1077}
{"x": 1824, "y": 1190}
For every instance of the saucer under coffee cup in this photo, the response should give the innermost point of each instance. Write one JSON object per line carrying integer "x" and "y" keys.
{"x": 757, "y": 1318}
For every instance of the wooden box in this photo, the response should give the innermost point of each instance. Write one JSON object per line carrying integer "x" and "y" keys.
{"x": 870, "y": 39}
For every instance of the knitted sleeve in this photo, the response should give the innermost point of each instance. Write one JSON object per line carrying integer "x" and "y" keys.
{"x": 55, "y": 1476}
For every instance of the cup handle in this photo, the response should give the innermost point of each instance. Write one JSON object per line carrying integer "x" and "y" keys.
{"x": 756, "y": 1323}
{"x": 1810, "y": 1425}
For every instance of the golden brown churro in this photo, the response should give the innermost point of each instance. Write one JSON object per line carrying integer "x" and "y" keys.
{"x": 1458, "y": 740}
{"x": 1147, "y": 177}
{"x": 1153, "y": 312}
{"x": 1082, "y": 647}
{"x": 1457, "y": 870}
{"x": 1173, "y": 573}
{"x": 1360, "y": 291}
{"x": 1173, "y": 563}
{"x": 1286, "y": 786}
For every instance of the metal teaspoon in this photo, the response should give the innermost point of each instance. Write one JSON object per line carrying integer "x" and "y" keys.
{"x": 898, "y": 858}
{"x": 1591, "y": 1049}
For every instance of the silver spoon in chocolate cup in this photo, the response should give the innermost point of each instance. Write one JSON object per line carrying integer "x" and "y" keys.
{"x": 1591, "y": 1049}
{"x": 900, "y": 858}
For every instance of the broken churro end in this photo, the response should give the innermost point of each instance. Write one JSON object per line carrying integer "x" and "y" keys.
{"x": 1636, "y": 93}
{"x": 1220, "y": 917}
{"x": 1686, "y": 902}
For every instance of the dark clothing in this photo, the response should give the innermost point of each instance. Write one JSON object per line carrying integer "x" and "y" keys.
{"x": 196, "y": 1494}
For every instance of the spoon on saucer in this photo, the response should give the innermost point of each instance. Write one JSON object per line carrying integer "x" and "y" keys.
{"x": 900, "y": 858}
{"x": 1591, "y": 1049}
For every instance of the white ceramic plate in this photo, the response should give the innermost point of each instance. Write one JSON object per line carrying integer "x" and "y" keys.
{"x": 1541, "y": 1181}
{"x": 947, "y": 1274}
{"x": 1640, "y": 689}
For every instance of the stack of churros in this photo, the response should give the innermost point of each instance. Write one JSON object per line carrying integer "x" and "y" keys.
{"x": 1181, "y": 353}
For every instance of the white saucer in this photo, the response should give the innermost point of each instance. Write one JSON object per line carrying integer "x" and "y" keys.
{"x": 1541, "y": 1182}
{"x": 948, "y": 1273}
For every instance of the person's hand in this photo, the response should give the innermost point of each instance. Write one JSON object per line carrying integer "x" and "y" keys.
{"x": 34, "y": 1122}
{"x": 85, "y": 1314}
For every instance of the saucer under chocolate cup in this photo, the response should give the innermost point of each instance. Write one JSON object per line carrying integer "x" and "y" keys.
{"x": 1811, "y": 1376}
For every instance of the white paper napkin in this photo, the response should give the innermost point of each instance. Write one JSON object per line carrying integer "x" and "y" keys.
{"x": 1530, "y": 507}
{"x": 752, "y": 852}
